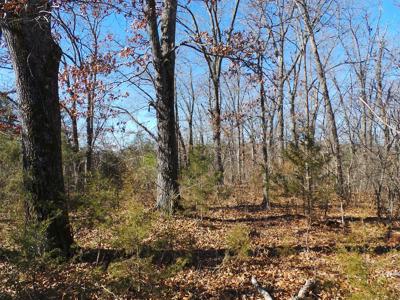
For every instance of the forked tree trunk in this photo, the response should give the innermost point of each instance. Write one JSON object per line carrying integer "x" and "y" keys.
{"x": 35, "y": 58}
{"x": 331, "y": 116}
{"x": 214, "y": 63}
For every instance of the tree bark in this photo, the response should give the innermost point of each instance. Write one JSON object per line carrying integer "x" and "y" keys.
{"x": 75, "y": 148}
{"x": 91, "y": 91}
{"x": 266, "y": 201}
{"x": 293, "y": 94}
{"x": 216, "y": 125}
{"x": 190, "y": 112}
{"x": 89, "y": 135}
{"x": 182, "y": 154}
{"x": 36, "y": 58}
{"x": 280, "y": 93}
{"x": 168, "y": 195}
{"x": 72, "y": 113}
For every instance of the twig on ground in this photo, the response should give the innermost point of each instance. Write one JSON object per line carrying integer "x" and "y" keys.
{"x": 310, "y": 283}
{"x": 263, "y": 292}
{"x": 301, "y": 295}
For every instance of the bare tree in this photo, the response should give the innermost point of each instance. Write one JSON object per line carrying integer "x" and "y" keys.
{"x": 310, "y": 24}
{"x": 214, "y": 49}
{"x": 189, "y": 101}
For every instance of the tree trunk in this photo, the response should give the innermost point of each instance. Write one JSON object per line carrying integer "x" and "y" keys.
{"x": 89, "y": 133}
{"x": 183, "y": 157}
{"x": 191, "y": 143}
{"x": 266, "y": 201}
{"x": 216, "y": 122}
{"x": 325, "y": 93}
{"x": 75, "y": 148}
{"x": 35, "y": 58}
{"x": 168, "y": 195}
{"x": 281, "y": 121}
{"x": 75, "y": 136}
{"x": 293, "y": 94}
{"x": 239, "y": 153}
{"x": 190, "y": 114}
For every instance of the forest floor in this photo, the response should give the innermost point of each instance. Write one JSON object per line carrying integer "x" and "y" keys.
{"x": 279, "y": 247}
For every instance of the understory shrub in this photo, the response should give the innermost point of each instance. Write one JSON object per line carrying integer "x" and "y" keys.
{"x": 134, "y": 226}
{"x": 364, "y": 285}
{"x": 10, "y": 174}
{"x": 135, "y": 273}
{"x": 238, "y": 241}
{"x": 139, "y": 179}
{"x": 99, "y": 200}
{"x": 303, "y": 174}
{"x": 31, "y": 242}
{"x": 149, "y": 239}
{"x": 198, "y": 181}
{"x": 364, "y": 234}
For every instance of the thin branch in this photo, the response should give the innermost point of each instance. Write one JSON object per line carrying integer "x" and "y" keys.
{"x": 151, "y": 134}
{"x": 262, "y": 291}
{"x": 379, "y": 118}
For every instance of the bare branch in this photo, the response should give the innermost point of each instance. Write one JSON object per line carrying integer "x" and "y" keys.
{"x": 262, "y": 291}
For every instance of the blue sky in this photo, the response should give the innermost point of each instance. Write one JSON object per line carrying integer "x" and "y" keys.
{"x": 390, "y": 12}
{"x": 390, "y": 18}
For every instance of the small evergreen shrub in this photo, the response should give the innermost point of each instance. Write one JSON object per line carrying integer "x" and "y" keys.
{"x": 364, "y": 234}
{"x": 30, "y": 239}
{"x": 134, "y": 225}
{"x": 139, "y": 179}
{"x": 10, "y": 174}
{"x": 238, "y": 241}
{"x": 134, "y": 273}
{"x": 198, "y": 181}
{"x": 303, "y": 174}
{"x": 287, "y": 246}
{"x": 98, "y": 201}
{"x": 112, "y": 166}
